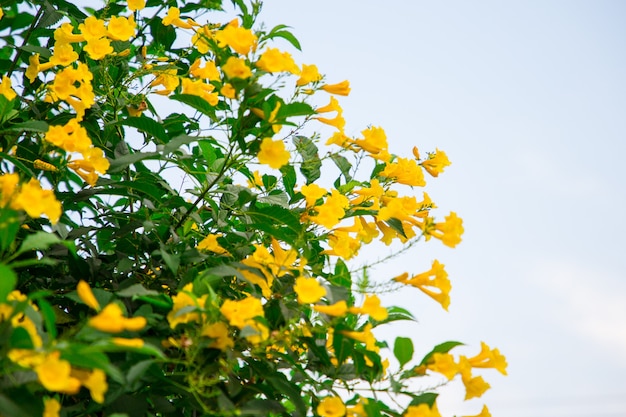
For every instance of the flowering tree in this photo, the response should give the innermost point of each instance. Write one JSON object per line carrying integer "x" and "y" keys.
{"x": 168, "y": 245}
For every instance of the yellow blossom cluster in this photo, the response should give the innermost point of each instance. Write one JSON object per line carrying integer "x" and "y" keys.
{"x": 29, "y": 197}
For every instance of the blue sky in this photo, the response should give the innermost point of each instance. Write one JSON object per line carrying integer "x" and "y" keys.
{"x": 528, "y": 99}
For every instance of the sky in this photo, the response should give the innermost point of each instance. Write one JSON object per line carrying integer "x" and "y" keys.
{"x": 528, "y": 100}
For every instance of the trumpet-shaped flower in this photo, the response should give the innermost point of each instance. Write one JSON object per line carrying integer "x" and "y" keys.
{"x": 436, "y": 163}
{"x": 8, "y": 186}
{"x": 338, "y": 121}
{"x": 98, "y": 48}
{"x": 55, "y": 374}
{"x": 434, "y": 279}
{"x": 211, "y": 244}
{"x": 312, "y": 193}
{"x": 6, "y": 89}
{"x": 308, "y": 290}
{"x": 340, "y": 308}
{"x": 331, "y": 407}
{"x": 489, "y": 358}
{"x": 274, "y": 60}
{"x": 220, "y": 335}
{"x": 372, "y": 307}
{"x": 308, "y": 74}
{"x": 63, "y": 55}
{"x": 112, "y": 320}
{"x": 65, "y": 34}
{"x": 404, "y": 171}
{"x": 240, "y": 39}
{"x": 36, "y": 201}
{"x": 273, "y": 153}
{"x": 185, "y": 307}
{"x": 236, "y": 68}
{"x": 135, "y": 5}
{"x": 51, "y": 407}
{"x": 444, "y": 364}
{"x": 333, "y": 105}
{"x": 332, "y": 211}
{"x": 208, "y": 71}
{"x": 449, "y": 232}
{"x": 240, "y": 313}
{"x": 341, "y": 89}
{"x": 483, "y": 413}
{"x": 121, "y": 28}
{"x": 93, "y": 28}
{"x": 374, "y": 140}
{"x": 201, "y": 89}
{"x": 168, "y": 79}
{"x": 86, "y": 295}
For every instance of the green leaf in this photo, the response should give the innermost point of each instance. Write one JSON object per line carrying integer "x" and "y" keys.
{"x": 31, "y": 126}
{"x": 118, "y": 164}
{"x": 20, "y": 339}
{"x": 9, "y": 408}
{"x": 289, "y": 37}
{"x": 147, "y": 125}
{"x": 395, "y": 313}
{"x": 403, "y": 350}
{"x": 38, "y": 241}
{"x": 289, "y": 178}
{"x": 6, "y": 107}
{"x": 172, "y": 260}
{"x": 136, "y": 372}
{"x": 396, "y": 225}
{"x": 49, "y": 318}
{"x": 197, "y": 103}
{"x": 276, "y": 221}
{"x": 177, "y": 142}
{"x": 343, "y": 165}
{"x": 295, "y": 109}
{"x": 136, "y": 290}
{"x": 341, "y": 277}
{"x": 9, "y": 226}
{"x": 311, "y": 162}
{"x": 208, "y": 151}
{"x": 426, "y": 398}
{"x": 442, "y": 348}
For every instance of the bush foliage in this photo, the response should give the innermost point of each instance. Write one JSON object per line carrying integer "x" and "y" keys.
{"x": 174, "y": 243}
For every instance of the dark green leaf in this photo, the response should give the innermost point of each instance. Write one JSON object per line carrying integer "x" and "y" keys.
{"x": 135, "y": 291}
{"x": 147, "y": 125}
{"x": 119, "y": 163}
{"x": 403, "y": 350}
{"x": 177, "y": 142}
{"x": 49, "y": 317}
{"x": 426, "y": 398}
{"x": 37, "y": 241}
{"x": 343, "y": 165}
{"x": 197, "y": 103}
{"x": 289, "y": 37}
{"x": 311, "y": 162}
{"x": 341, "y": 277}
{"x": 31, "y": 126}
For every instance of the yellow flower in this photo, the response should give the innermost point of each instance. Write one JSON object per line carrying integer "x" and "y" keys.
{"x": 1, "y": 13}
{"x": 240, "y": 39}
{"x": 8, "y": 186}
{"x": 444, "y": 364}
{"x": 201, "y": 89}
{"x": 255, "y": 332}
{"x": 86, "y": 295}
{"x": 220, "y": 335}
{"x": 436, "y": 163}
{"x": 332, "y": 211}
{"x": 449, "y": 232}
{"x": 168, "y": 79}
{"x": 236, "y": 68}
{"x": 404, "y": 171}
{"x": 98, "y": 48}
{"x": 93, "y": 28}
{"x": 374, "y": 140}
{"x": 312, "y": 193}
{"x": 340, "y": 308}
{"x": 274, "y": 60}
{"x": 308, "y": 74}
{"x": 136, "y": 5}
{"x": 182, "y": 301}
{"x": 273, "y": 153}
{"x": 199, "y": 39}
{"x": 308, "y": 290}
{"x": 121, "y": 28}
{"x": 134, "y": 342}
{"x": 366, "y": 336}
{"x": 339, "y": 122}
{"x": 331, "y": 407}
{"x": 371, "y": 306}
{"x": 36, "y": 201}
{"x": 228, "y": 91}
{"x": 422, "y": 410}
{"x": 112, "y": 320}
{"x": 51, "y": 407}
{"x": 173, "y": 18}
{"x": 6, "y": 89}
{"x": 240, "y": 313}
{"x": 341, "y": 89}
{"x": 333, "y": 105}
{"x": 483, "y": 413}
{"x": 489, "y": 358}
{"x": 209, "y": 71}
{"x": 64, "y": 54}
{"x": 435, "y": 278}
{"x": 54, "y": 374}
{"x": 475, "y": 387}
{"x": 95, "y": 381}
{"x": 342, "y": 244}
{"x": 64, "y": 34}
{"x": 211, "y": 244}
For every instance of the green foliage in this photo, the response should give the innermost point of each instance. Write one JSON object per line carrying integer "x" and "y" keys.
{"x": 169, "y": 244}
